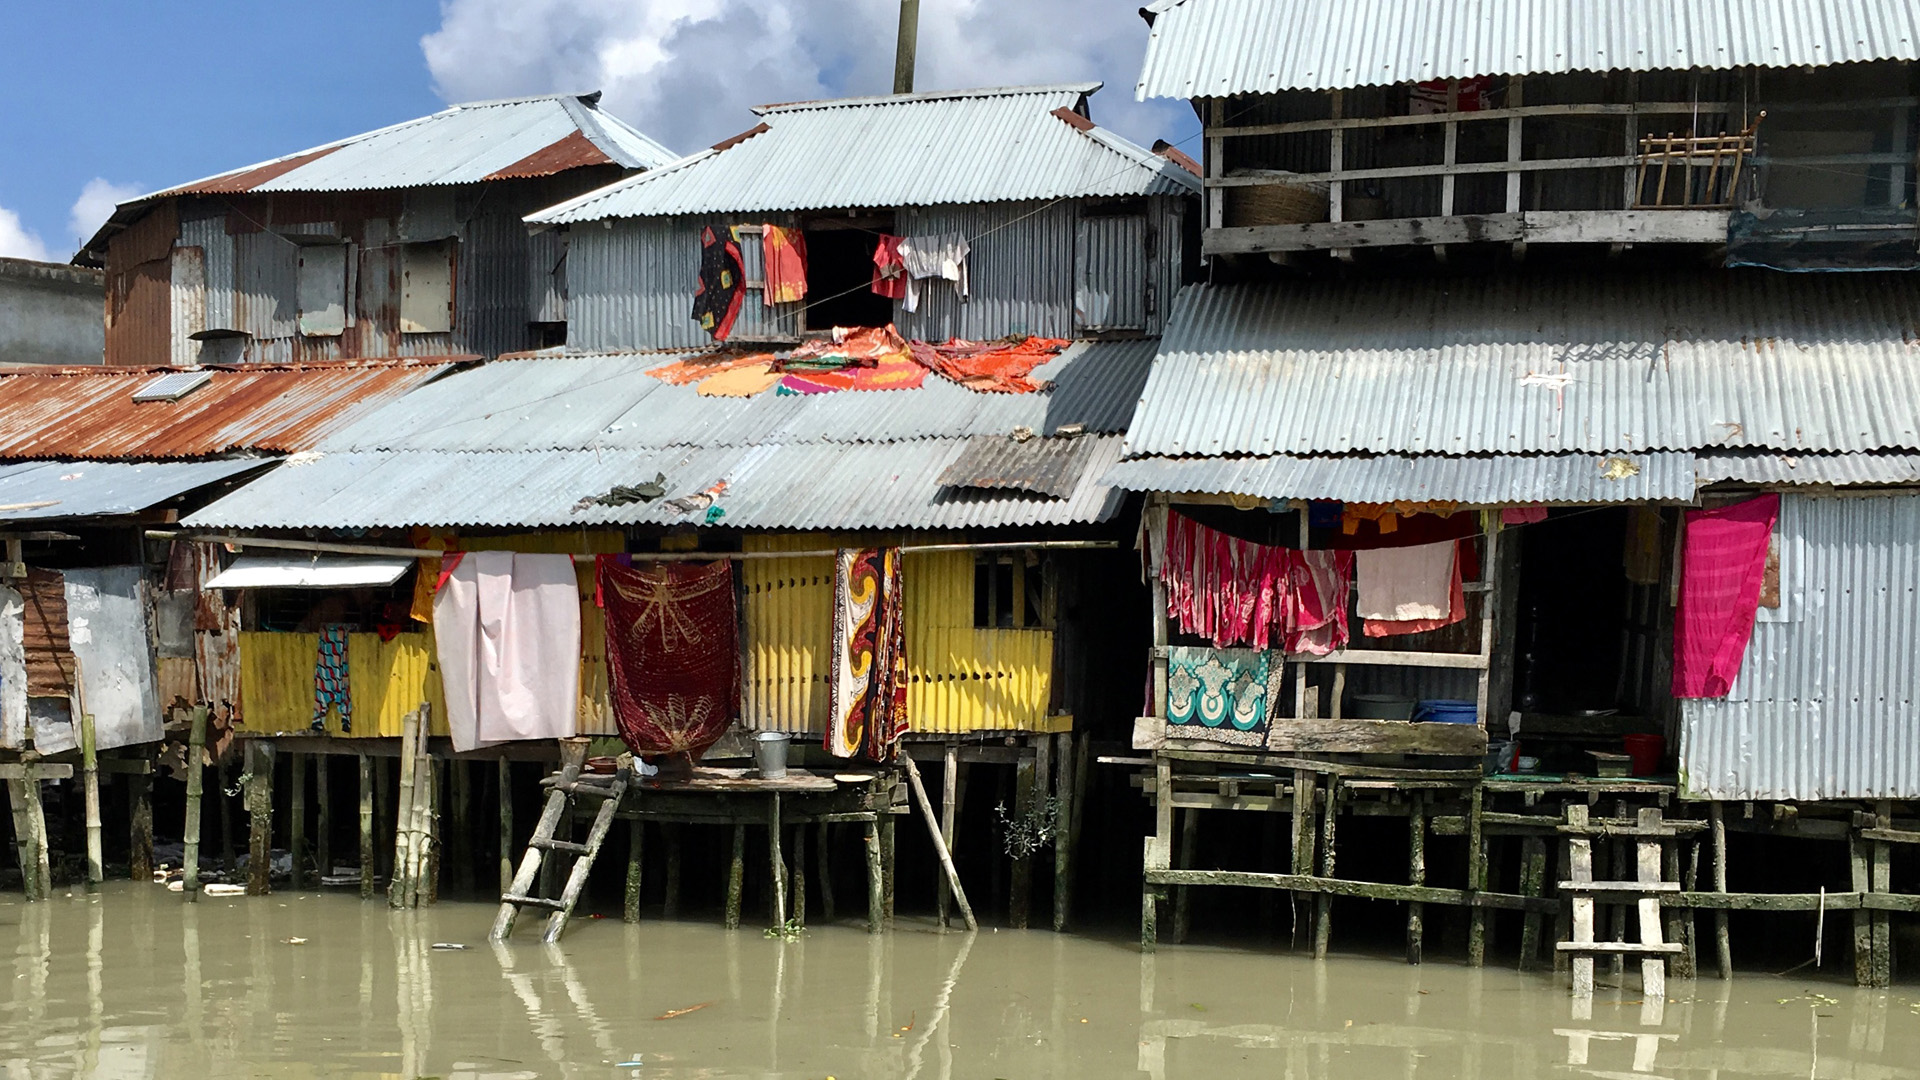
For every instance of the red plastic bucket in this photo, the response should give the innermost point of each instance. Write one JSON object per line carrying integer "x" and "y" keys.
{"x": 1646, "y": 752}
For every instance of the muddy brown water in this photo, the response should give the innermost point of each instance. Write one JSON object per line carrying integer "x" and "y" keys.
{"x": 134, "y": 983}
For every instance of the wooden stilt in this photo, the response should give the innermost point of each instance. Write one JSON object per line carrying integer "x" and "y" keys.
{"x": 259, "y": 793}
{"x": 140, "y": 827}
{"x": 636, "y": 837}
{"x": 1563, "y": 916}
{"x": 736, "y": 876}
{"x": 384, "y": 811}
{"x": 1580, "y": 861}
{"x": 1681, "y": 965}
{"x": 889, "y": 831}
{"x": 1722, "y": 945}
{"x": 1689, "y": 931}
{"x": 776, "y": 862}
{"x": 323, "y": 813}
{"x": 1020, "y": 887}
{"x": 366, "y": 827}
{"x": 1063, "y": 830}
{"x": 461, "y": 852}
{"x": 297, "y": 818}
{"x": 20, "y": 790}
{"x": 224, "y": 802}
{"x": 1416, "y": 873}
{"x": 1880, "y": 877}
{"x": 800, "y": 875}
{"x": 1323, "y": 904}
{"x": 401, "y": 885}
{"x": 1183, "y": 859}
{"x": 503, "y": 771}
{"x": 1305, "y": 802}
{"x": 1159, "y": 852}
{"x": 1653, "y": 969}
{"x": 428, "y": 841}
{"x": 1618, "y": 865}
{"x": 671, "y": 907}
{"x": 824, "y": 860}
{"x": 939, "y": 842}
{"x": 876, "y": 904}
{"x": 949, "y": 810}
{"x": 36, "y": 813}
{"x": 90, "y": 782}
{"x": 1476, "y": 876}
{"x": 1533, "y": 872}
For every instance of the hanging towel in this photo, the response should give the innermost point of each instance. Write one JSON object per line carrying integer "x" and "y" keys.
{"x": 507, "y": 627}
{"x": 941, "y": 256}
{"x": 889, "y": 273}
{"x": 784, "y": 253}
{"x": 1406, "y": 583}
{"x": 672, "y": 656}
{"x": 717, "y": 295}
{"x": 1723, "y": 567}
{"x": 867, "y": 683}
{"x": 1456, "y": 611}
{"x": 1319, "y": 585}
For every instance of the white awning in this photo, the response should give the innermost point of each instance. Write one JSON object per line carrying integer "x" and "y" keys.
{"x": 302, "y": 570}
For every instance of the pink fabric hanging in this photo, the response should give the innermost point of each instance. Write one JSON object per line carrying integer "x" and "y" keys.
{"x": 1236, "y": 592}
{"x": 1722, "y": 570}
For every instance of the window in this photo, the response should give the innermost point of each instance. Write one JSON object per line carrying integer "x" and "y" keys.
{"x": 840, "y": 272}
{"x": 1009, "y": 592}
{"x": 426, "y": 287}
{"x": 322, "y": 289}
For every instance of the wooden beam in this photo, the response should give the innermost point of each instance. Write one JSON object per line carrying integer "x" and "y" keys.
{"x": 1368, "y": 890}
{"x": 1646, "y": 108}
{"x": 1333, "y": 737}
{"x": 1531, "y": 226}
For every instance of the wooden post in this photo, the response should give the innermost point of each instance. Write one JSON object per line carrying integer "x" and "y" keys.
{"x": 1682, "y": 965}
{"x": 504, "y": 769}
{"x": 225, "y": 805}
{"x": 426, "y": 830}
{"x": 1304, "y": 837}
{"x": 1020, "y": 887}
{"x": 1580, "y": 862}
{"x": 1159, "y": 851}
{"x": 366, "y": 828}
{"x": 1476, "y": 877}
{"x": 19, "y": 791}
{"x": 1533, "y": 872}
{"x": 383, "y": 812}
{"x": 1323, "y": 904}
{"x": 1653, "y": 969}
{"x": 800, "y": 874}
{"x": 736, "y": 876}
{"x": 140, "y": 828}
{"x": 461, "y": 779}
{"x": 949, "y": 811}
{"x": 1416, "y": 873}
{"x": 670, "y": 907}
{"x": 259, "y": 817}
{"x": 939, "y": 843}
{"x": 776, "y": 862}
{"x": 824, "y": 858}
{"x": 876, "y": 906}
{"x": 36, "y": 816}
{"x": 1722, "y": 945}
{"x": 90, "y": 782}
{"x": 1183, "y": 858}
{"x": 1881, "y": 878}
{"x": 297, "y": 818}
{"x": 636, "y": 837}
{"x": 401, "y": 883}
{"x": 1063, "y": 831}
{"x": 888, "y": 868}
{"x": 196, "y": 784}
{"x": 323, "y": 813}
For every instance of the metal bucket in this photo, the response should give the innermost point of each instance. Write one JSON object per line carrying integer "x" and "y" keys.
{"x": 770, "y": 753}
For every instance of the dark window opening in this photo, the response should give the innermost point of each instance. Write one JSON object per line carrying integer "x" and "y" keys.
{"x": 1008, "y": 594}
{"x": 840, "y": 273}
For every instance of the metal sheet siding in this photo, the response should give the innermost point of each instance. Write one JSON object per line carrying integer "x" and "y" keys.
{"x": 1478, "y": 481}
{"x": 490, "y": 292}
{"x": 1542, "y": 363}
{"x": 1212, "y": 48}
{"x": 632, "y": 286}
{"x": 93, "y": 488}
{"x": 918, "y": 150}
{"x": 1825, "y": 703}
{"x": 1111, "y": 273}
{"x": 1020, "y": 272}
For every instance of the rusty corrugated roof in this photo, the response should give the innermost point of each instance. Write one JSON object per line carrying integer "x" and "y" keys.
{"x": 90, "y": 414}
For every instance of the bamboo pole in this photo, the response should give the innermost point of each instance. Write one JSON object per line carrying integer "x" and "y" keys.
{"x": 939, "y": 843}
{"x": 505, "y": 771}
{"x": 800, "y": 874}
{"x": 323, "y": 813}
{"x": 297, "y": 817}
{"x": 90, "y": 766}
{"x": 876, "y": 906}
{"x": 636, "y": 836}
{"x": 736, "y": 876}
{"x": 399, "y": 885}
{"x": 1722, "y": 944}
{"x": 776, "y": 862}
{"x": 366, "y": 828}
{"x": 1416, "y": 873}
{"x": 259, "y": 794}
{"x": 140, "y": 828}
{"x": 196, "y": 783}
{"x": 949, "y": 810}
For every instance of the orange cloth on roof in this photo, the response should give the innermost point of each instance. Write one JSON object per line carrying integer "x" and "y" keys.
{"x": 784, "y": 253}
{"x": 740, "y": 381}
{"x": 992, "y": 367}
{"x": 694, "y": 368}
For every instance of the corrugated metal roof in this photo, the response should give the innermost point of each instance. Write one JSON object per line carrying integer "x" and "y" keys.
{"x": 1214, "y": 48}
{"x": 89, "y": 413}
{"x": 911, "y": 150}
{"x": 606, "y": 401}
{"x": 1477, "y": 481}
{"x": 809, "y": 486}
{"x": 462, "y": 144}
{"x": 1050, "y": 467}
{"x": 1825, "y": 702}
{"x": 44, "y": 490}
{"x": 1538, "y": 363}
{"x": 1838, "y": 470}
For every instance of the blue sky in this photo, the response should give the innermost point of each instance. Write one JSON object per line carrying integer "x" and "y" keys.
{"x": 114, "y": 98}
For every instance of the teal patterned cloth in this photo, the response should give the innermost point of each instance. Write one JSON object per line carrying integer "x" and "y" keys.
{"x": 1220, "y": 695}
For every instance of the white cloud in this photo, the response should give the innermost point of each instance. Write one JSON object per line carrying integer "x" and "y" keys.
{"x": 686, "y": 71}
{"x": 17, "y": 242}
{"x": 95, "y": 205}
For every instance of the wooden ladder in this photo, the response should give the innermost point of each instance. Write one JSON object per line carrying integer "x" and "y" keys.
{"x": 1644, "y": 892}
{"x": 571, "y": 783}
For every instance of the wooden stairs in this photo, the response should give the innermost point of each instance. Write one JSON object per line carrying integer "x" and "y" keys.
{"x": 552, "y": 844}
{"x": 1643, "y": 892}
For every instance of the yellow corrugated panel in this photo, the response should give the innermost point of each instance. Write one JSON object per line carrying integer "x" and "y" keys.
{"x": 276, "y": 680}
{"x": 789, "y": 631}
{"x": 389, "y": 679}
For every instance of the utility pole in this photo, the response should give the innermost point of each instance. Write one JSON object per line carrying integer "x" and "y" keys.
{"x": 909, "y": 42}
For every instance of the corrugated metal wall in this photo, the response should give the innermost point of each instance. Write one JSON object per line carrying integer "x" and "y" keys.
{"x": 964, "y": 679}
{"x": 1825, "y": 703}
{"x": 1020, "y": 271}
{"x": 1110, "y": 272}
{"x": 631, "y": 286}
{"x": 386, "y": 679}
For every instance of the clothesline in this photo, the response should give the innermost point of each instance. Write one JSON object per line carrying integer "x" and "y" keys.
{"x": 376, "y": 550}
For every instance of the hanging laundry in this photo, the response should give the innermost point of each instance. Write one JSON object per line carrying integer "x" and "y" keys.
{"x": 1314, "y": 614}
{"x": 1387, "y": 516}
{"x": 1236, "y": 592}
{"x": 332, "y": 688}
{"x": 867, "y": 681}
{"x": 1723, "y": 566}
{"x": 784, "y": 255}
{"x": 717, "y": 296}
{"x": 889, "y": 272}
{"x": 507, "y": 631}
{"x": 672, "y": 653}
{"x": 694, "y": 369}
{"x": 942, "y": 256}
{"x": 1219, "y": 695}
{"x": 1523, "y": 515}
{"x": 1407, "y": 585}
{"x": 993, "y": 367}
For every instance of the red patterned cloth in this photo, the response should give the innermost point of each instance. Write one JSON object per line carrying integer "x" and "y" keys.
{"x": 1236, "y": 592}
{"x": 672, "y": 653}
{"x": 995, "y": 367}
{"x": 867, "y": 686}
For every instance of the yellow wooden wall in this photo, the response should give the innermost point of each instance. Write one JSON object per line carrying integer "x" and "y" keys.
{"x": 964, "y": 679}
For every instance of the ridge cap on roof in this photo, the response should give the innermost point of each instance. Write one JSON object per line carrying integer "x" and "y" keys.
{"x": 1035, "y": 90}
{"x": 589, "y": 98}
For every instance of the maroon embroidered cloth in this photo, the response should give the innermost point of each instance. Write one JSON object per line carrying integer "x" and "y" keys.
{"x": 672, "y": 653}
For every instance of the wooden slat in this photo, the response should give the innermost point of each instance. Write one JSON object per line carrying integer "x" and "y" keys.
{"x": 1644, "y": 108}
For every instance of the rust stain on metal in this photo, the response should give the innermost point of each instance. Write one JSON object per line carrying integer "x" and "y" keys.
{"x": 248, "y": 179}
{"x": 90, "y": 414}
{"x": 757, "y": 129}
{"x": 50, "y": 663}
{"x": 1073, "y": 119}
{"x": 1174, "y": 154}
{"x": 572, "y": 152}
